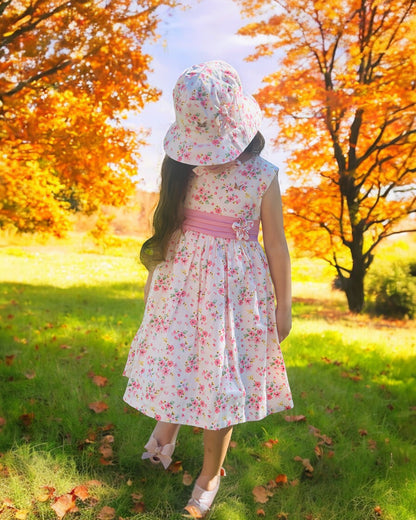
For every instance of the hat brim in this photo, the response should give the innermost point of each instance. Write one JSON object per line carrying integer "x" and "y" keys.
{"x": 215, "y": 149}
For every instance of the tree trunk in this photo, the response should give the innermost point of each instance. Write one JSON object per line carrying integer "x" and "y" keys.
{"x": 354, "y": 290}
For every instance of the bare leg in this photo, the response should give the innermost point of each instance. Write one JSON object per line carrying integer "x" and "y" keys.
{"x": 166, "y": 433}
{"x": 216, "y": 444}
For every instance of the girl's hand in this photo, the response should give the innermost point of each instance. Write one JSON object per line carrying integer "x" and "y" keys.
{"x": 283, "y": 322}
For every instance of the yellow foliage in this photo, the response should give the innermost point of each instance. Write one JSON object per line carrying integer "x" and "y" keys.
{"x": 65, "y": 85}
{"x": 343, "y": 96}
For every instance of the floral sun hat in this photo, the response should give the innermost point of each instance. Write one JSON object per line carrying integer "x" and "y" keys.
{"x": 215, "y": 121}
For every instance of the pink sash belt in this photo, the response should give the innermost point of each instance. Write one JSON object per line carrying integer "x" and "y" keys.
{"x": 220, "y": 226}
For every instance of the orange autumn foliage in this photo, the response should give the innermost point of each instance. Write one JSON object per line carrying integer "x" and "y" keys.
{"x": 344, "y": 97}
{"x": 70, "y": 74}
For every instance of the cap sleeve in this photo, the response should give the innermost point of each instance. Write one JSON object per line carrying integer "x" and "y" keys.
{"x": 269, "y": 172}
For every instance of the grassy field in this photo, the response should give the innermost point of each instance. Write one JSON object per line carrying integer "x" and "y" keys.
{"x": 70, "y": 447}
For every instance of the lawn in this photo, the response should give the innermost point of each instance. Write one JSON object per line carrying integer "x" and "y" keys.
{"x": 70, "y": 447}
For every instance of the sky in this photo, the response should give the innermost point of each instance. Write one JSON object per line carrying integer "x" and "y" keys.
{"x": 204, "y": 32}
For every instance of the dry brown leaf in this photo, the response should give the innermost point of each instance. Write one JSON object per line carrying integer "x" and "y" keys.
{"x": 64, "y": 504}
{"x": 281, "y": 479}
{"x": 187, "y": 479}
{"x": 10, "y": 359}
{"x": 306, "y": 464}
{"x": 136, "y": 497}
{"x": 176, "y": 467}
{"x": 378, "y": 511}
{"x": 27, "y": 419}
{"x": 261, "y": 494}
{"x": 30, "y": 375}
{"x": 81, "y": 492}
{"x": 106, "y": 451}
{"x": 106, "y": 513}
{"x": 233, "y": 444}
{"x": 271, "y": 484}
{"x": 98, "y": 406}
{"x": 270, "y": 443}
{"x": 138, "y": 507}
{"x": 295, "y": 418}
{"x": 106, "y": 462}
{"x": 261, "y": 512}
{"x": 46, "y": 494}
{"x": 21, "y": 514}
{"x": 100, "y": 380}
{"x": 319, "y": 452}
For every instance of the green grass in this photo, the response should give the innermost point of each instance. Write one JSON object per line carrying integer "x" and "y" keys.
{"x": 66, "y": 316}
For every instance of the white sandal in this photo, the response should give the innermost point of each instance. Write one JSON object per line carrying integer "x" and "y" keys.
{"x": 201, "y": 499}
{"x": 159, "y": 454}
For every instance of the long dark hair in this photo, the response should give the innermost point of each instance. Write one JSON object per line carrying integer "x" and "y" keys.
{"x": 169, "y": 213}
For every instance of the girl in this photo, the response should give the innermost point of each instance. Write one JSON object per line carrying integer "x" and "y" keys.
{"x": 207, "y": 352}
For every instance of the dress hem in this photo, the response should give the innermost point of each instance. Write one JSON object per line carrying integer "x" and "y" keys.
{"x": 161, "y": 417}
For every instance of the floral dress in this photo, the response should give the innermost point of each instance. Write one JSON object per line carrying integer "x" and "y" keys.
{"x": 207, "y": 352}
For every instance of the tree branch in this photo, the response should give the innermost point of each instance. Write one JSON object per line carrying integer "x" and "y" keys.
{"x": 20, "y": 86}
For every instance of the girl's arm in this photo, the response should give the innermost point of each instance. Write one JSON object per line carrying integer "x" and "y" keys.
{"x": 277, "y": 254}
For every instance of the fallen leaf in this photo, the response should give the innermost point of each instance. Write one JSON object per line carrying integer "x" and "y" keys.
{"x": 27, "y": 419}
{"x": 64, "y": 504}
{"x": 261, "y": 494}
{"x": 106, "y": 462}
{"x": 21, "y": 514}
{"x": 46, "y": 494}
{"x": 187, "y": 479}
{"x": 138, "y": 507}
{"x": 294, "y": 482}
{"x": 2, "y": 422}
{"x": 378, "y": 511}
{"x": 261, "y": 512}
{"x": 106, "y": 451}
{"x": 100, "y": 380}
{"x": 107, "y": 427}
{"x": 319, "y": 452}
{"x": 9, "y": 360}
{"x": 295, "y": 418}
{"x": 281, "y": 479}
{"x": 136, "y": 497}
{"x": 176, "y": 467}
{"x": 271, "y": 484}
{"x": 270, "y": 443}
{"x": 317, "y": 433}
{"x": 306, "y": 464}
{"x": 98, "y": 406}
{"x": 65, "y": 347}
{"x": 283, "y": 516}
{"x": 233, "y": 444}
{"x": 30, "y": 375}
{"x": 106, "y": 513}
{"x": 372, "y": 444}
{"x": 363, "y": 433}
{"x": 81, "y": 492}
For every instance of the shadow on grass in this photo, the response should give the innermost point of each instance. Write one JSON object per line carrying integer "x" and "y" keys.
{"x": 358, "y": 430}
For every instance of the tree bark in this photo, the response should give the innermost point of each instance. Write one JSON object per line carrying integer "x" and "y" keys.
{"x": 354, "y": 290}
